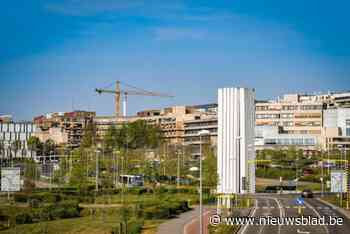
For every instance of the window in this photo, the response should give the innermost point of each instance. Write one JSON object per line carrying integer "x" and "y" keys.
{"x": 289, "y": 108}
{"x": 287, "y": 116}
{"x": 347, "y": 123}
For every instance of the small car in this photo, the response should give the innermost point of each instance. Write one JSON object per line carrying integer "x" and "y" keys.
{"x": 307, "y": 193}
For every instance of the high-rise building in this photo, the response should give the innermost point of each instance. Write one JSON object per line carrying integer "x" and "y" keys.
{"x": 236, "y": 122}
{"x": 14, "y": 137}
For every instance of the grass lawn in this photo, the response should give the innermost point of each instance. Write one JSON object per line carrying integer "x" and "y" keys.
{"x": 83, "y": 225}
{"x": 104, "y": 219}
{"x": 335, "y": 200}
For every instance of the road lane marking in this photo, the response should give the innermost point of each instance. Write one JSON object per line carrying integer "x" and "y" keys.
{"x": 317, "y": 213}
{"x": 282, "y": 213}
{"x": 302, "y": 232}
{"x": 252, "y": 215}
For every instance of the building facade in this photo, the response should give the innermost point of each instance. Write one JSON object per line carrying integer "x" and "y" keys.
{"x": 336, "y": 130}
{"x": 64, "y": 128}
{"x": 235, "y": 149}
{"x": 14, "y": 137}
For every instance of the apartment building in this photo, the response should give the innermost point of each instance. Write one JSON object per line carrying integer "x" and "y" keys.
{"x": 19, "y": 132}
{"x": 293, "y": 120}
{"x": 171, "y": 120}
{"x": 64, "y": 128}
{"x": 336, "y": 130}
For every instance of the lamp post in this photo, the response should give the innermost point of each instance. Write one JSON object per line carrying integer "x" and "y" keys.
{"x": 178, "y": 170}
{"x": 116, "y": 168}
{"x": 340, "y": 147}
{"x": 97, "y": 170}
{"x": 201, "y": 133}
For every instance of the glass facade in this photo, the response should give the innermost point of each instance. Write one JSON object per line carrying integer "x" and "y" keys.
{"x": 290, "y": 141}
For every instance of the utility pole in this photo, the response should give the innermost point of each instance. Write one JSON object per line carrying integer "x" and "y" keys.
{"x": 201, "y": 133}
{"x": 97, "y": 170}
{"x": 178, "y": 169}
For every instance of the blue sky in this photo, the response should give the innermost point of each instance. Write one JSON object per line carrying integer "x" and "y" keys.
{"x": 54, "y": 53}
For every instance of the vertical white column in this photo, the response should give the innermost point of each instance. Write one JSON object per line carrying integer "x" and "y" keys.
{"x": 236, "y": 123}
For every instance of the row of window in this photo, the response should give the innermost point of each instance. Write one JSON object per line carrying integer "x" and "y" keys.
{"x": 16, "y": 127}
{"x": 12, "y": 136}
{"x": 289, "y": 107}
{"x": 213, "y": 130}
{"x": 287, "y": 116}
{"x": 290, "y": 141}
{"x": 267, "y": 116}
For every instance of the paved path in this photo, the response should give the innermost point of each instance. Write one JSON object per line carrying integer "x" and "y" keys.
{"x": 176, "y": 225}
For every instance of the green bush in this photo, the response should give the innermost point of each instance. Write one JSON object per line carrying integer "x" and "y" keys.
{"x": 34, "y": 203}
{"x": 24, "y": 218}
{"x": 135, "y": 226}
{"x": 137, "y": 191}
{"x": 161, "y": 190}
{"x": 20, "y": 197}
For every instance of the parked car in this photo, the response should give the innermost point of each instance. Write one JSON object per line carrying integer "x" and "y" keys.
{"x": 307, "y": 193}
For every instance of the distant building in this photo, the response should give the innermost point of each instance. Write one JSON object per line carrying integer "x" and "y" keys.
{"x": 291, "y": 120}
{"x": 336, "y": 130}
{"x": 171, "y": 121}
{"x": 194, "y": 126}
{"x": 5, "y": 118}
{"x": 64, "y": 128}
{"x": 16, "y": 131}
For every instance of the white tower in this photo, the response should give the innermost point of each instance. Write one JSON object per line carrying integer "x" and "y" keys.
{"x": 236, "y": 154}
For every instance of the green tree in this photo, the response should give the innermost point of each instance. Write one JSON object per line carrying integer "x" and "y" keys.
{"x": 31, "y": 173}
{"x": 34, "y": 145}
{"x": 78, "y": 175}
{"x": 49, "y": 147}
{"x": 134, "y": 135}
{"x": 15, "y": 147}
{"x": 210, "y": 174}
{"x": 88, "y": 139}
{"x": 111, "y": 138}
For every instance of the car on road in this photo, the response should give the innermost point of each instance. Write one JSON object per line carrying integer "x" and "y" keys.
{"x": 307, "y": 193}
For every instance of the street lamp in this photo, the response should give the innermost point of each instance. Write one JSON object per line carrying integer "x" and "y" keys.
{"x": 116, "y": 168}
{"x": 97, "y": 169}
{"x": 200, "y": 134}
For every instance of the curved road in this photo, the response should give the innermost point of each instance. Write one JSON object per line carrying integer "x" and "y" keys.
{"x": 286, "y": 206}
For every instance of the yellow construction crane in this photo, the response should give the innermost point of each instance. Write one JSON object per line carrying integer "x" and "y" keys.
{"x": 119, "y": 93}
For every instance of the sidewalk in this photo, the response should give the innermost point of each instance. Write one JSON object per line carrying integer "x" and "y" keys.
{"x": 343, "y": 211}
{"x": 176, "y": 225}
{"x": 188, "y": 222}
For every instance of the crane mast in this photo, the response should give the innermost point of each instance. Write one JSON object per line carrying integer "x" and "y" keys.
{"x": 118, "y": 96}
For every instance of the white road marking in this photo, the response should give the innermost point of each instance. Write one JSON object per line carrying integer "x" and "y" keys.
{"x": 302, "y": 232}
{"x": 318, "y": 214}
{"x": 252, "y": 215}
{"x": 282, "y": 213}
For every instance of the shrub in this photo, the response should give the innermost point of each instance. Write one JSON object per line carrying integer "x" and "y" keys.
{"x": 137, "y": 191}
{"x": 34, "y": 203}
{"x": 161, "y": 190}
{"x": 135, "y": 226}
{"x": 24, "y": 218}
{"x": 20, "y": 197}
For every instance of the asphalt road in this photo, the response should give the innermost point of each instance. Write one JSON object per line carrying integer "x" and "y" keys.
{"x": 286, "y": 206}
